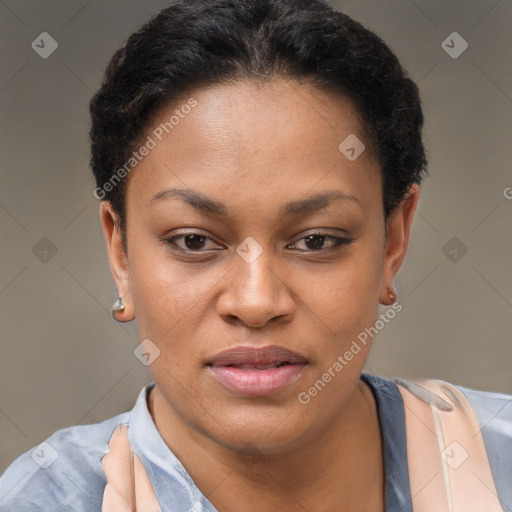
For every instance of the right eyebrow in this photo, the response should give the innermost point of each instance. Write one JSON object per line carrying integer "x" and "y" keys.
{"x": 194, "y": 199}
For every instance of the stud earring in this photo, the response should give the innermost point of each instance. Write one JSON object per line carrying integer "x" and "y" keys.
{"x": 119, "y": 305}
{"x": 391, "y": 296}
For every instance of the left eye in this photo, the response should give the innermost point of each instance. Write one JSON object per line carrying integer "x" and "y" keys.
{"x": 315, "y": 241}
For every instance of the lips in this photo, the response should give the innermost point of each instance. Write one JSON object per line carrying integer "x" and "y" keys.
{"x": 260, "y": 371}
{"x": 269, "y": 356}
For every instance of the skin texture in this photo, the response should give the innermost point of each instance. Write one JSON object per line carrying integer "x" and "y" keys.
{"x": 255, "y": 148}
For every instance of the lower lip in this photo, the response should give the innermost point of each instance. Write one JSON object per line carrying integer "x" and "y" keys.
{"x": 257, "y": 382}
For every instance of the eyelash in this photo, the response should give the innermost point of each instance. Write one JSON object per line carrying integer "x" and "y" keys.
{"x": 337, "y": 242}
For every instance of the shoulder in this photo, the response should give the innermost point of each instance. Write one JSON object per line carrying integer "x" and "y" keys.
{"x": 63, "y": 473}
{"x": 494, "y": 415}
{"x": 493, "y": 410}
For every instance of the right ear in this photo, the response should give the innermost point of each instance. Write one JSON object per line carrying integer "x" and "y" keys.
{"x": 118, "y": 260}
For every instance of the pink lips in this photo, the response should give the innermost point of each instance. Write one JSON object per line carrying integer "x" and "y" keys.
{"x": 261, "y": 371}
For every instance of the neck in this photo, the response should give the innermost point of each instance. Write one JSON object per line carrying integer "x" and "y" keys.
{"x": 340, "y": 469}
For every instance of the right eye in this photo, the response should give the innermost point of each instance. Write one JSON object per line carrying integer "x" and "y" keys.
{"x": 191, "y": 242}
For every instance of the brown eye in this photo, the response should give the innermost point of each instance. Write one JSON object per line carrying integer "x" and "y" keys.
{"x": 315, "y": 242}
{"x": 190, "y": 242}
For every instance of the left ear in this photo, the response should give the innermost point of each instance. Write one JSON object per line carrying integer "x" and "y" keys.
{"x": 399, "y": 227}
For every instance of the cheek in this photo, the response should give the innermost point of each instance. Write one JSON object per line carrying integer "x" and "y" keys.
{"x": 171, "y": 298}
{"x": 346, "y": 298}
{"x": 162, "y": 293}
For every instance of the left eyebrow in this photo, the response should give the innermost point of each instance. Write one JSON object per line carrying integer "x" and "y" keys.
{"x": 315, "y": 203}
{"x": 293, "y": 208}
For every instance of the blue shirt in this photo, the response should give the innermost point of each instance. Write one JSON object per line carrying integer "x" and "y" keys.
{"x": 64, "y": 473}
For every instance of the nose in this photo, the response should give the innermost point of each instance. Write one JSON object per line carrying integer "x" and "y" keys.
{"x": 256, "y": 292}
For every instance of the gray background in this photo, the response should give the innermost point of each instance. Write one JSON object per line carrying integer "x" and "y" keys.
{"x": 64, "y": 361}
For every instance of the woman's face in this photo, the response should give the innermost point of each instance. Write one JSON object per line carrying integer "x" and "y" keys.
{"x": 248, "y": 227}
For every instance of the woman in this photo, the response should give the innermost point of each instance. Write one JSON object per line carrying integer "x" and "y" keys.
{"x": 258, "y": 164}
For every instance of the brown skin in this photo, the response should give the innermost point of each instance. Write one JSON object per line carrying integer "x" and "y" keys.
{"x": 255, "y": 149}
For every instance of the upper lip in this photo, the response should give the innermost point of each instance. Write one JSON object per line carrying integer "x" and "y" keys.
{"x": 245, "y": 354}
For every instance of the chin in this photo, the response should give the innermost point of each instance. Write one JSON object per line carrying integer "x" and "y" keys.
{"x": 267, "y": 432}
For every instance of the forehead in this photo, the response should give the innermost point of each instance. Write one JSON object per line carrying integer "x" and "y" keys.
{"x": 265, "y": 141}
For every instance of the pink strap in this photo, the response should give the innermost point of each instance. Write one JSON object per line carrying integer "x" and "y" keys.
{"x": 449, "y": 469}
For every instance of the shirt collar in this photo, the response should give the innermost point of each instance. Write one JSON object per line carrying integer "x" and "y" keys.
{"x": 173, "y": 486}
{"x": 391, "y": 415}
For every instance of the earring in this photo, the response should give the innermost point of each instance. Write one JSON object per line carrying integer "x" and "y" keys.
{"x": 391, "y": 296}
{"x": 119, "y": 305}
